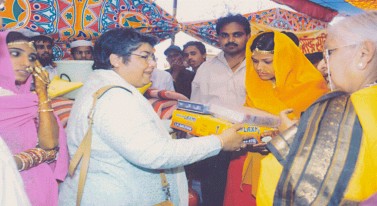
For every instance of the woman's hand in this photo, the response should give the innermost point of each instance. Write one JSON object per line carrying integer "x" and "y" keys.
{"x": 48, "y": 128}
{"x": 259, "y": 147}
{"x": 232, "y": 140}
{"x": 41, "y": 80}
{"x": 285, "y": 122}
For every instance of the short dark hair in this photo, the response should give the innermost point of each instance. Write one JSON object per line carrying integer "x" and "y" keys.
{"x": 15, "y": 36}
{"x": 119, "y": 41}
{"x": 199, "y": 45}
{"x": 238, "y": 18}
{"x": 315, "y": 57}
{"x": 292, "y": 36}
{"x": 43, "y": 38}
{"x": 264, "y": 41}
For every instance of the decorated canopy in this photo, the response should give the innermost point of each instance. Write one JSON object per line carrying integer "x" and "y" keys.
{"x": 67, "y": 20}
{"x": 326, "y": 10}
{"x": 309, "y": 30}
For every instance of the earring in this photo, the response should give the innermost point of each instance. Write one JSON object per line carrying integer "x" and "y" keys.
{"x": 360, "y": 65}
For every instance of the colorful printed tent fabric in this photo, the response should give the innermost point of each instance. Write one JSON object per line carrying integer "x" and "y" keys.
{"x": 309, "y": 30}
{"x": 325, "y": 10}
{"x": 311, "y": 9}
{"x": 67, "y": 20}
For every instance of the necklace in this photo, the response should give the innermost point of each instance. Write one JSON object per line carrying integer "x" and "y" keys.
{"x": 273, "y": 85}
{"x": 237, "y": 63}
{"x": 371, "y": 84}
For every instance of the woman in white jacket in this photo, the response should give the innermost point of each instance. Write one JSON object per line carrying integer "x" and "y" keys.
{"x": 130, "y": 145}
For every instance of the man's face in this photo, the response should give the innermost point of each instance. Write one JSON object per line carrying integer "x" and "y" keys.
{"x": 193, "y": 56}
{"x": 82, "y": 53}
{"x": 44, "y": 52}
{"x": 175, "y": 58}
{"x": 233, "y": 39}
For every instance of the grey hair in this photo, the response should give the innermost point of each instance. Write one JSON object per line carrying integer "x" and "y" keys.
{"x": 355, "y": 29}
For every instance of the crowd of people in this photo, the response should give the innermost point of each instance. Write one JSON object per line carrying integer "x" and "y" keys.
{"x": 121, "y": 153}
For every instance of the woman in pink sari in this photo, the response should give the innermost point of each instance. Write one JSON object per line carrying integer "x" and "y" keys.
{"x": 27, "y": 122}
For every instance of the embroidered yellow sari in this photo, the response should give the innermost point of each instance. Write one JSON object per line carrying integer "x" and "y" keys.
{"x": 345, "y": 150}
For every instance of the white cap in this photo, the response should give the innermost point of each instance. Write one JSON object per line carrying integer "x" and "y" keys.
{"x": 78, "y": 43}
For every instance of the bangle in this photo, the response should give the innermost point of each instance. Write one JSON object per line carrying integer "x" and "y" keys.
{"x": 22, "y": 161}
{"x": 221, "y": 141}
{"x": 44, "y": 102}
{"x": 46, "y": 110}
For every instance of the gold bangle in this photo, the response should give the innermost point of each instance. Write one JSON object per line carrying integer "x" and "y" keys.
{"x": 46, "y": 110}
{"x": 45, "y": 102}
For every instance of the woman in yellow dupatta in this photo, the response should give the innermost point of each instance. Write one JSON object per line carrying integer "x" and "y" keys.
{"x": 278, "y": 77}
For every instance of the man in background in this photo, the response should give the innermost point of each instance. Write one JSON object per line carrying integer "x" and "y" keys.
{"x": 181, "y": 76}
{"x": 221, "y": 81}
{"x": 82, "y": 50}
{"x": 43, "y": 44}
{"x": 195, "y": 54}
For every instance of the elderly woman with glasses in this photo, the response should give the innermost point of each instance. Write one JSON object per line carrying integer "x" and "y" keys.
{"x": 330, "y": 158}
{"x": 132, "y": 153}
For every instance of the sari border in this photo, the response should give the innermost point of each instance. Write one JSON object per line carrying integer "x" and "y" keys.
{"x": 349, "y": 129}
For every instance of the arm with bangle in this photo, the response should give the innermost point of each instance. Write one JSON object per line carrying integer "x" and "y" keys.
{"x": 48, "y": 128}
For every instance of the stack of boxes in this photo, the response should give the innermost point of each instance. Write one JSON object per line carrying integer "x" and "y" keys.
{"x": 202, "y": 120}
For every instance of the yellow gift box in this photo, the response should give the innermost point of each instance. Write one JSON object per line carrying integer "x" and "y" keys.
{"x": 203, "y": 125}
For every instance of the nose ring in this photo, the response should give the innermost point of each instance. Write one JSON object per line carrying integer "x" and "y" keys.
{"x": 29, "y": 69}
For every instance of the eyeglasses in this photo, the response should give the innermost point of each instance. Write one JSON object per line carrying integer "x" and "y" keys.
{"x": 327, "y": 52}
{"x": 326, "y": 55}
{"x": 147, "y": 57}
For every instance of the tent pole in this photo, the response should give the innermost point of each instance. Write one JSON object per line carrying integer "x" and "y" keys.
{"x": 175, "y": 2}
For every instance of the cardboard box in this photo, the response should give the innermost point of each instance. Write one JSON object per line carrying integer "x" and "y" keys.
{"x": 203, "y": 125}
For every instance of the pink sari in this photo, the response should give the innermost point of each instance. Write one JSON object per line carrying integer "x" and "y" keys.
{"x": 18, "y": 128}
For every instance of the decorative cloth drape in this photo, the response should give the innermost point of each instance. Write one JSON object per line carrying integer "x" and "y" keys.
{"x": 67, "y": 20}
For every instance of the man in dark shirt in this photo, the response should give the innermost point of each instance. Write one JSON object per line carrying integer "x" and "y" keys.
{"x": 181, "y": 76}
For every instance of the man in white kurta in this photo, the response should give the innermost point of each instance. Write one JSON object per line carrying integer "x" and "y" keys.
{"x": 216, "y": 83}
{"x": 221, "y": 80}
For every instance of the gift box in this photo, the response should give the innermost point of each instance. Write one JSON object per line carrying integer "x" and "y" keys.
{"x": 203, "y": 125}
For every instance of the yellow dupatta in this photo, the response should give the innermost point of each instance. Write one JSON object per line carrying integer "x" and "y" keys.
{"x": 298, "y": 85}
{"x": 363, "y": 181}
